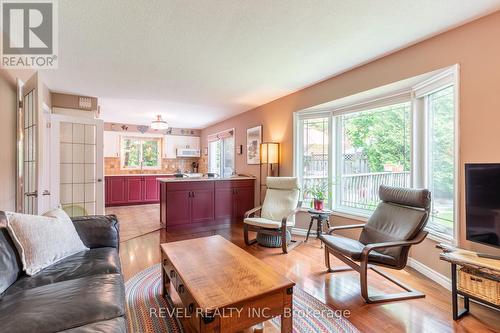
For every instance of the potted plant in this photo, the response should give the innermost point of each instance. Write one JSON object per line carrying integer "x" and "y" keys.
{"x": 319, "y": 193}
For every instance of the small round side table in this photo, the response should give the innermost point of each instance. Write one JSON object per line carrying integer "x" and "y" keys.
{"x": 319, "y": 216}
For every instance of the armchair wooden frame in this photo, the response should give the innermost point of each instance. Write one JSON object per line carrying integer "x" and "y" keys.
{"x": 275, "y": 232}
{"x": 364, "y": 265}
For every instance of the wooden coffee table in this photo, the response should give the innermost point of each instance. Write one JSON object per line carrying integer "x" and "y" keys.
{"x": 222, "y": 287}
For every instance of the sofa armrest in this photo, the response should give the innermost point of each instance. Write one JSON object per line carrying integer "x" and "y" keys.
{"x": 98, "y": 230}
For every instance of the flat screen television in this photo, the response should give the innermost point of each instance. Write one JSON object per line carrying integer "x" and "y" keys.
{"x": 482, "y": 203}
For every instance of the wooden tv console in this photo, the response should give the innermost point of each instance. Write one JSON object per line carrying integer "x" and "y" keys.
{"x": 477, "y": 278}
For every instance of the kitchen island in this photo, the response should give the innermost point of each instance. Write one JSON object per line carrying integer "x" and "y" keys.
{"x": 197, "y": 202}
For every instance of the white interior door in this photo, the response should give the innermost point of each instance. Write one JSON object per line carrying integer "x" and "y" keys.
{"x": 33, "y": 154}
{"x": 77, "y": 164}
{"x": 29, "y": 186}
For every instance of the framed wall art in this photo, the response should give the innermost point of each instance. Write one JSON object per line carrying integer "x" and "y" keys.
{"x": 254, "y": 139}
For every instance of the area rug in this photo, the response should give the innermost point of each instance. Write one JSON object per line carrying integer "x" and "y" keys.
{"x": 144, "y": 302}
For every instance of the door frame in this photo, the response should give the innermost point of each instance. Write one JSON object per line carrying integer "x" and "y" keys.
{"x": 20, "y": 146}
{"x": 56, "y": 120}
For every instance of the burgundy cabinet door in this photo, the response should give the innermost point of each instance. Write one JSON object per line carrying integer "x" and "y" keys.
{"x": 134, "y": 189}
{"x": 117, "y": 190}
{"x": 224, "y": 203}
{"x": 178, "y": 207}
{"x": 202, "y": 205}
{"x": 244, "y": 200}
{"x": 151, "y": 189}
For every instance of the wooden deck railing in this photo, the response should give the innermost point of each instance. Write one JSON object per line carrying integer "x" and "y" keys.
{"x": 361, "y": 190}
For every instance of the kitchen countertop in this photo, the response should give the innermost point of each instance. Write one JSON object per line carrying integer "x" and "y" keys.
{"x": 201, "y": 179}
{"x": 140, "y": 174}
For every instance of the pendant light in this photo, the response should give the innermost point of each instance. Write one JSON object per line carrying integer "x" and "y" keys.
{"x": 159, "y": 124}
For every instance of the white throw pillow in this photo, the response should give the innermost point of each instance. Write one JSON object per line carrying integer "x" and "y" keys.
{"x": 43, "y": 240}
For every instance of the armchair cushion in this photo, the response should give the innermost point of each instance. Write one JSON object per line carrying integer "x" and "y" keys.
{"x": 406, "y": 196}
{"x": 282, "y": 197}
{"x": 392, "y": 223}
{"x": 353, "y": 248}
{"x": 401, "y": 216}
{"x": 266, "y": 223}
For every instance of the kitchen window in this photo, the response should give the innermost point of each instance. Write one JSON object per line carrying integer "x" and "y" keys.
{"x": 140, "y": 153}
{"x": 221, "y": 153}
{"x": 404, "y": 138}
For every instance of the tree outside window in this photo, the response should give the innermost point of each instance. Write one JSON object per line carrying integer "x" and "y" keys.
{"x": 140, "y": 153}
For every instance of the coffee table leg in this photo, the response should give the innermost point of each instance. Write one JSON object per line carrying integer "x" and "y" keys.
{"x": 165, "y": 281}
{"x": 287, "y": 317}
{"x": 210, "y": 325}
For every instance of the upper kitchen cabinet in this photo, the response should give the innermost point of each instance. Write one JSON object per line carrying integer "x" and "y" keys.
{"x": 173, "y": 143}
{"x": 111, "y": 144}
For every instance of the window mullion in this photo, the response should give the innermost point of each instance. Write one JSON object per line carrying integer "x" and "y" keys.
{"x": 331, "y": 151}
{"x": 337, "y": 155}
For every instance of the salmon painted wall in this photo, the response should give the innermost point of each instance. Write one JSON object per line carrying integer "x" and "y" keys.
{"x": 474, "y": 46}
{"x": 8, "y": 139}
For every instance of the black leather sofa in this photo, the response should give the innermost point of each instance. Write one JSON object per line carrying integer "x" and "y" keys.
{"x": 82, "y": 293}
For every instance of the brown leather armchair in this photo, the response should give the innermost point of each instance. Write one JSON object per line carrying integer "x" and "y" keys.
{"x": 396, "y": 224}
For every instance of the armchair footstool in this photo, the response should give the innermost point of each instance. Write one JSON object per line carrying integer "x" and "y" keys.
{"x": 272, "y": 237}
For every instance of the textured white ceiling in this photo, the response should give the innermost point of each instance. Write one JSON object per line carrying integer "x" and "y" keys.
{"x": 198, "y": 61}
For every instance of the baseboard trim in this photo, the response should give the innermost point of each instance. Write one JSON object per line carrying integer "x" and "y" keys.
{"x": 430, "y": 273}
{"x": 302, "y": 232}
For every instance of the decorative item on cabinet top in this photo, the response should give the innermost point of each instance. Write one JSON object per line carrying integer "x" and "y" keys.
{"x": 120, "y": 127}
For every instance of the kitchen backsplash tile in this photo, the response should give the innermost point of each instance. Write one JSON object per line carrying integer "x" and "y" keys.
{"x": 169, "y": 165}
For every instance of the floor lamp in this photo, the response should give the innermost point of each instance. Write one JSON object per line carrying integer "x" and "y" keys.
{"x": 269, "y": 156}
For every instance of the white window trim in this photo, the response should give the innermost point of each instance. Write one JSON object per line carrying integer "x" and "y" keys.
{"x": 221, "y": 171}
{"x": 141, "y": 138}
{"x": 450, "y": 75}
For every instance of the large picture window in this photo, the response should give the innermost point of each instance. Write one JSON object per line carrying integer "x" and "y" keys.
{"x": 140, "y": 153}
{"x": 375, "y": 150}
{"x": 314, "y": 169}
{"x": 440, "y": 109}
{"x": 406, "y": 139}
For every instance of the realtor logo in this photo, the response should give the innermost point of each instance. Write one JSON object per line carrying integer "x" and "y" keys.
{"x": 29, "y": 34}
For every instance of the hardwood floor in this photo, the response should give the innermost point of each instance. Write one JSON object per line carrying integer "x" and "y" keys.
{"x": 136, "y": 220}
{"x": 305, "y": 266}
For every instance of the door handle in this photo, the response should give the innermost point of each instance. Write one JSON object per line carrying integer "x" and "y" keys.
{"x": 32, "y": 194}
{"x": 99, "y": 180}
{"x": 46, "y": 192}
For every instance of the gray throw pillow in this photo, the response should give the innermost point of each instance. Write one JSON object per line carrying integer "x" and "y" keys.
{"x": 43, "y": 240}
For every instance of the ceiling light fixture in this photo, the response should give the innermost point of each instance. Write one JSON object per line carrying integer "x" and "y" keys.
{"x": 159, "y": 124}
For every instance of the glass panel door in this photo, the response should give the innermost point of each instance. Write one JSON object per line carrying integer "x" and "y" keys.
{"x": 78, "y": 147}
{"x": 30, "y": 154}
